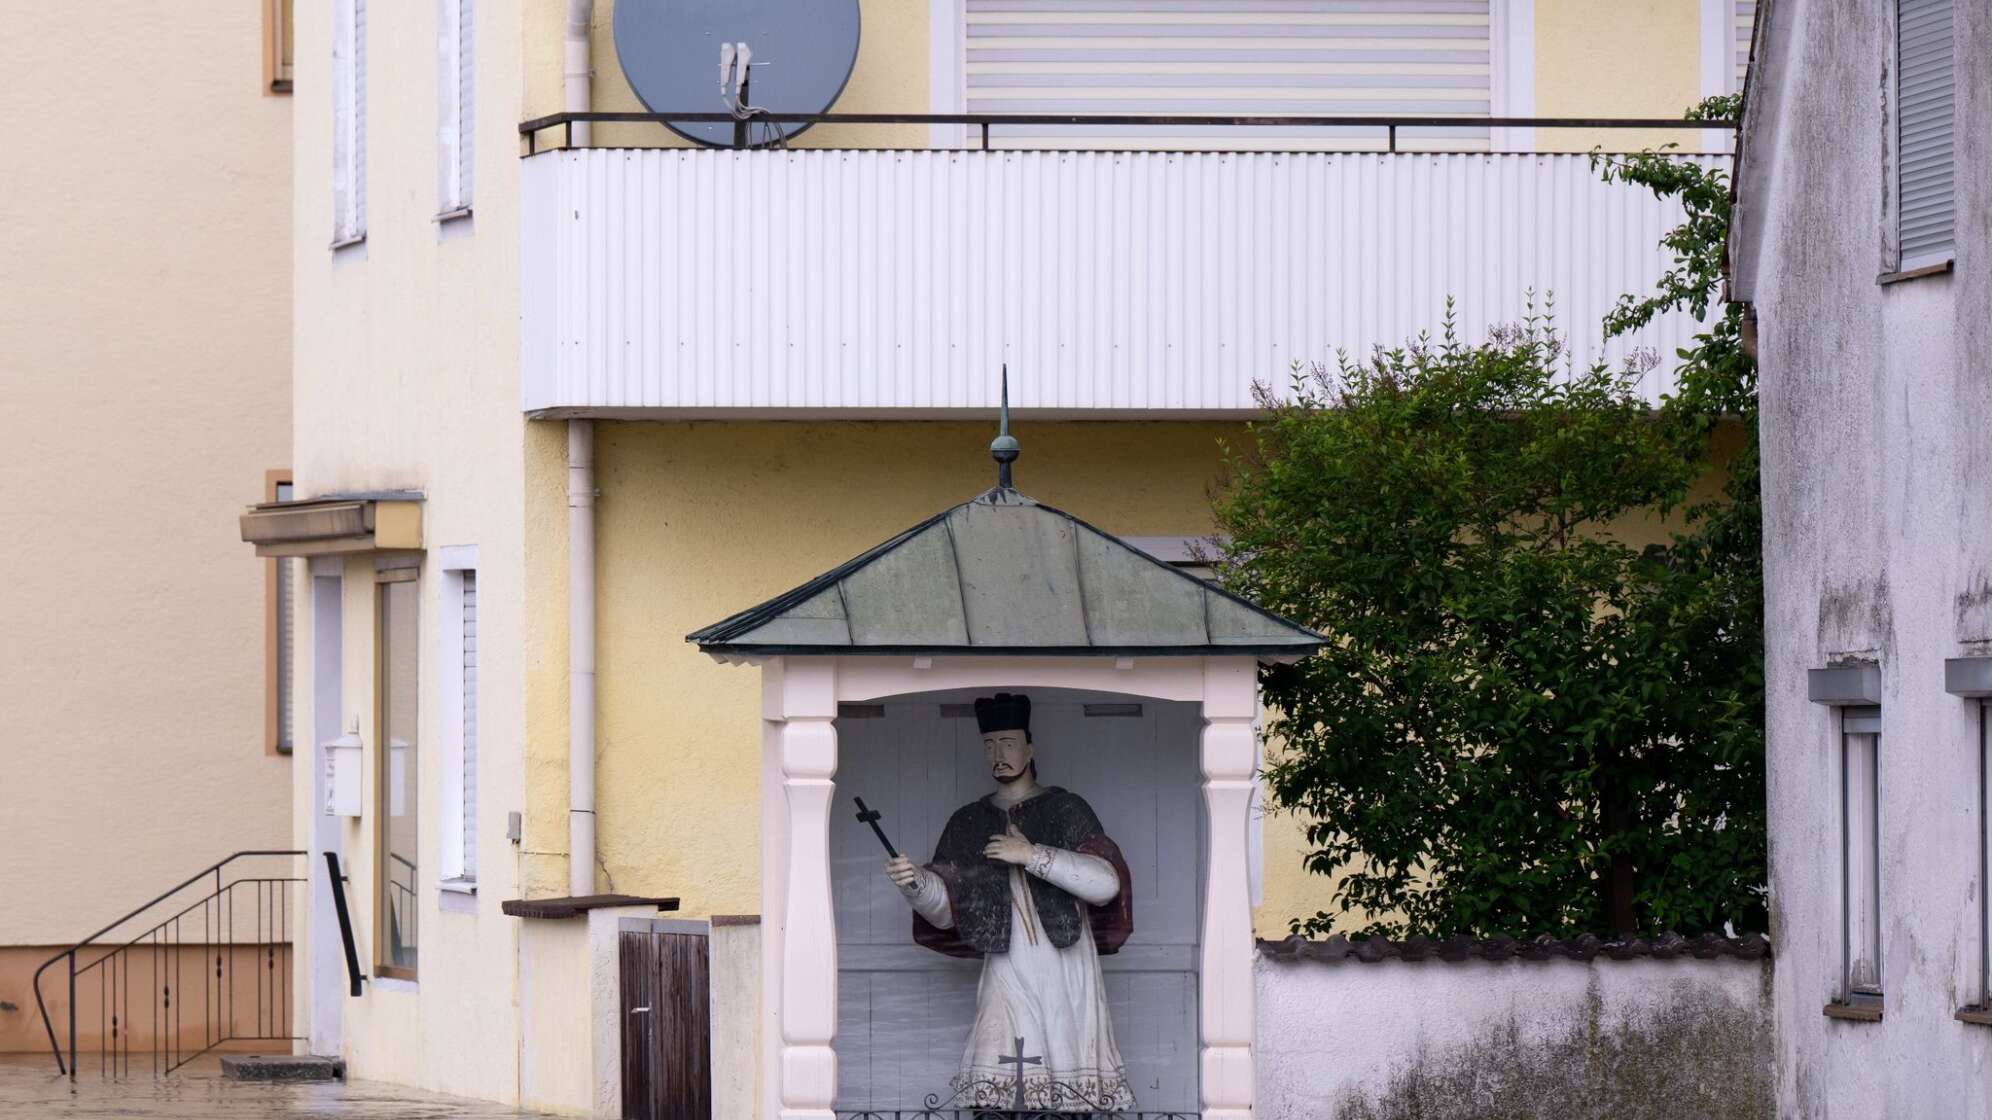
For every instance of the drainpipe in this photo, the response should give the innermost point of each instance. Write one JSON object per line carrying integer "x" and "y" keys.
{"x": 578, "y": 95}
{"x": 581, "y": 657}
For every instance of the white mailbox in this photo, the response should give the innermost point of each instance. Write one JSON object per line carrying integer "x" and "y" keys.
{"x": 342, "y": 776}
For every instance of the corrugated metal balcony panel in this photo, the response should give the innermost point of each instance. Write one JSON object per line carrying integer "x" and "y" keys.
{"x": 895, "y": 282}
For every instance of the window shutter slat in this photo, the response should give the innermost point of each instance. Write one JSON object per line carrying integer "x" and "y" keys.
{"x": 1925, "y": 138}
{"x": 1743, "y": 24}
{"x": 470, "y": 725}
{"x": 1220, "y": 57}
{"x": 466, "y": 80}
{"x": 358, "y": 163}
{"x": 342, "y": 120}
{"x": 446, "y": 105}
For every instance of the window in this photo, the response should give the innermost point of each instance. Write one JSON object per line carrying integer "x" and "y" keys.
{"x": 456, "y": 699}
{"x": 1984, "y": 864}
{"x": 1741, "y": 25}
{"x": 1860, "y": 856}
{"x": 279, "y": 629}
{"x": 456, "y": 27}
{"x": 1099, "y": 57}
{"x": 349, "y": 122}
{"x": 1925, "y": 152}
{"x": 397, "y": 801}
{"x": 277, "y": 46}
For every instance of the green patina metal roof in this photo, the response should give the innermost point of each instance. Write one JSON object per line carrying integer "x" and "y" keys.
{"x": 1003, "y": 574}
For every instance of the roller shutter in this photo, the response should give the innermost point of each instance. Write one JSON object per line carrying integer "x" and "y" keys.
{"x": 1926, "y": 151}
{"x": 1238, "y": 58}
{"x": 1743, "y": 23}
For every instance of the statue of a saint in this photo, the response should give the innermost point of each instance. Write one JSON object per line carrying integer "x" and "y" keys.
{"x": 1026, "y": 879}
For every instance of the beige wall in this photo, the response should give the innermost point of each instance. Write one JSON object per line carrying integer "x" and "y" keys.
{"x": 698, "y": 520}
{"x": 407, "y": 378}
{"x": 890, "y": 76}
{"x": 145, "y": 389}
{"x": 1625, "y": 58}
{"x": 131, "y": 977}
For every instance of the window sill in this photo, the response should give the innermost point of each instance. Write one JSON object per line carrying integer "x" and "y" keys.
{"x": 455, "y": 215}
{"x": 1978, "y": 1016}
{"x": 349, "y": 242}
{"x": 1943, "y": 269}
{"x": 458, "y": 886}
{"x": 1865, "y": 1011}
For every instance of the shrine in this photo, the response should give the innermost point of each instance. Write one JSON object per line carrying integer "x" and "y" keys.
{"x": 1068, "y": 726}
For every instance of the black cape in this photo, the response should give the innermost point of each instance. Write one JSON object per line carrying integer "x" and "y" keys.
{"x": 979, "y": 887}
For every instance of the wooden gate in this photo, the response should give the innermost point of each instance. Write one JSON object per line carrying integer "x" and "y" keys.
{"x": 666, "y": 1020}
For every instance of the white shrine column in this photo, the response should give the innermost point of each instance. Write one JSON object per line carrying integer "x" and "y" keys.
{"x": 1230, "y": 757}
{"x": 807, "y": 753}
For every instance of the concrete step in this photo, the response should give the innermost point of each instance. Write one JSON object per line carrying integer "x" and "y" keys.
{"x": 282, "y": 1067}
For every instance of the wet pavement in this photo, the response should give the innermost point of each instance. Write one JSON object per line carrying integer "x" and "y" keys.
{"x": 30, "y": 1089}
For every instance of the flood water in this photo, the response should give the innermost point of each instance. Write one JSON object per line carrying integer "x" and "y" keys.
{"x": 30, "y": 1089}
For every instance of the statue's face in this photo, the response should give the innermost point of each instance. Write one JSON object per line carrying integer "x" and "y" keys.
{"x": 1009, "y": 754}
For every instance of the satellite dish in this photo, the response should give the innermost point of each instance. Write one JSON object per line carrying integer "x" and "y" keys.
{"x": 670, "y": 52}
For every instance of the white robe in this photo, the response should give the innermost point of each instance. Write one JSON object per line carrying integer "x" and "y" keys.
{"x": 1054, "y": 999}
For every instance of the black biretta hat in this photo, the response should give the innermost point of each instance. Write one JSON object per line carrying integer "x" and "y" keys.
{"x": 1005, "y": 711}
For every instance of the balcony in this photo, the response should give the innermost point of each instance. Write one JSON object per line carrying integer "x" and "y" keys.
{"x": 892, "y": 283}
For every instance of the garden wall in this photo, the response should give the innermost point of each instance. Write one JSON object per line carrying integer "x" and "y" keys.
{"x": 1465, "y": 1030}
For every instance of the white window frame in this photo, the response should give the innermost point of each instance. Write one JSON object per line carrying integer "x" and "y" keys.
{"x": 1718, "y": 65}
{"x": 456, "y": 798}
{"x": 456, "y": 106}
{"x": 947, "y": 70}
{"x": 1860, "y": 848}
{"x": 349, "y": 122}
{"x": 1511, "y": 42}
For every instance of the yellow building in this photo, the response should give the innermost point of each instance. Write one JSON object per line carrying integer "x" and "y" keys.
{"x": 565, "y": 394}
{"x": 145, "y": 379}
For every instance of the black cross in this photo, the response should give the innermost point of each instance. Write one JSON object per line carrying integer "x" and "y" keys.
{"x": 1020, "y": 1062}
{"x": 871, "y": 817}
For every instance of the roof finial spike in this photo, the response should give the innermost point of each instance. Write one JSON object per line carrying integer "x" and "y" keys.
{"x": 1004, "y": 448}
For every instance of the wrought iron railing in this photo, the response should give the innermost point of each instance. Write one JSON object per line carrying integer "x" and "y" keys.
{"x": 401, "y": 907}
{"x": 242, "y": 921}
{"x": 1387, "y": 126}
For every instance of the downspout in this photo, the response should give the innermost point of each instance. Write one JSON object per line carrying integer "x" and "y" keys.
{"x": 577, "y": 96}
{"x": 577, "y": 88}
{"x": 581, "y": 657}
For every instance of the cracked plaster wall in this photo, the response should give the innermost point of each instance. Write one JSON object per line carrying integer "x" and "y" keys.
{"x": 1878, "y": 545}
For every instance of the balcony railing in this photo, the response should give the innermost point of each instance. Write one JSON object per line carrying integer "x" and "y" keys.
{"x": 976, "y": 128}
{"x": 816, "y": 282}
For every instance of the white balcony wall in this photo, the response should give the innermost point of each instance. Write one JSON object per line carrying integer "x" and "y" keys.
{"x": 689, "y": 282}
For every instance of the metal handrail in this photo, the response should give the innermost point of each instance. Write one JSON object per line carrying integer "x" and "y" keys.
{"x": 69, "y": 954}
{"x": 531, "y": 129}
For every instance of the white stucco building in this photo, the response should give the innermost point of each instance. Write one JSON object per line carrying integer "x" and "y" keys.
{"x": 1860, "y": 236}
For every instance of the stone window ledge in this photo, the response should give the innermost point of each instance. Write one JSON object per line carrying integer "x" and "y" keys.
{"x": 1980, "y": 1015}
{"x": 1864, "y": 1011}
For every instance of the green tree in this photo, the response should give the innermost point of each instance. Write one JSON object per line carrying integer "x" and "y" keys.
{"x": 1524, "y": 724}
